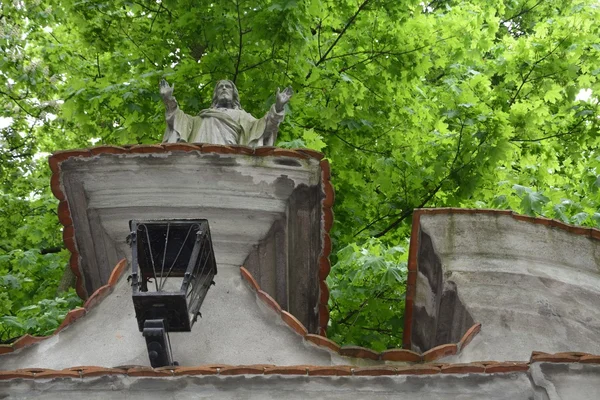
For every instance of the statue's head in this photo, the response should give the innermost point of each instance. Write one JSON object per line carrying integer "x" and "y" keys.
{"x": 226, "y": 95}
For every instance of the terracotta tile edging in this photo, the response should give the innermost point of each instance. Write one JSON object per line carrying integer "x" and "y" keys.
{"x": 411, "y": 280}
{"x": 554, "y": 223}
{"x": 327, "y": 220}
{"x": 74, "y": 314}
{"x": 64, "y": 213}
{"x": 482, "y": 367}
{"x": 468, "y": 336}
{"x": 398, "y": 355}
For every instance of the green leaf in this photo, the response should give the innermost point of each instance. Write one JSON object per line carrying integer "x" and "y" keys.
{"x": 531, "y": 201}
{"x": 11, "y": 322}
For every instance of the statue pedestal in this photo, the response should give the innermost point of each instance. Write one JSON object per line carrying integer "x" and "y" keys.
{"x": 266, "y": 211}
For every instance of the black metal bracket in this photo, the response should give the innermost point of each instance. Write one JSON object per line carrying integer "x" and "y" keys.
{"x": 158, "y": 343}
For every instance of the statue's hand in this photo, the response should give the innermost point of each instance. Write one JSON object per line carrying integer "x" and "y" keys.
{"x": 282, "y": 98}
{"x": 166, "y": 91}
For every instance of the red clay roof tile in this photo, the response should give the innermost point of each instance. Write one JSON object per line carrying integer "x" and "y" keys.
{"x": 69, "y": 238}
{"x": 117, "y": 272}
{"x": 324, "y": 267}
{"x": 325, "y": 170}
{"x": 27, "y": 340}
{"x": 249, "y": 278}
{"x": 288, "y": 153}
{"x": 336, "y": 370}
{"x": 440, "y": 351}
{"x": 108, "y": 150}
{"x": 323, "y": 292}
{"x": 590, "y": 359}
{"x": 71, "y": 316}
{"x": 182, "y": 147}
{"x": 200, "y": 370}
{"x": 287, "y": 370}
{"x": 148, "y": 371}
{"x": 57, "y": 157}
{"x": 554, "y": 357}
{"x": 64, "y": 215}
{"x": 15, "y": 374}
{"x": 503, "y": 367}
{"x": 329, "y": 194}
{"x": 401, "y": 355}
{"x": 97, "y": 296}
{"x": 294, "y": 323}
{"x": 418, "y": 370}
{"x": 264, "y": 296}
{"x": 87, "y": 372}
{"x": 323, "y": 341}
{"x": 359, "y": 352}
{"x": 56, "y": 188}
{"x": 327, "y": 219}
{"x": 146, "y": 148}
{"x": 312, "y": 153}
{"x": 463, "y": 368}
{"x": 241, "y": 149}
{"x": 242, "y": 370}
{"x": 469, "y": 335}
{"x": 217, "y": 149}
{"x": 51, "y": 374}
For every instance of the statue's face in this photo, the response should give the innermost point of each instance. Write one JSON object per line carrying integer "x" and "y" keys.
{"x": 224, "y": 92}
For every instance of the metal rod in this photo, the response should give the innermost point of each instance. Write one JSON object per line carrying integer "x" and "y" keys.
{"x": 201, "y": 253}
{"x": 189, "y": 271}
{"x": 151, "y": 257}
{"x": 162, "y": 268}
{"x": 200, "y": 272}
{"x": 180, "y": 249}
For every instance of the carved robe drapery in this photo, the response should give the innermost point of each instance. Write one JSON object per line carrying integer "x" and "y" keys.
{"x": 223, "y": 126}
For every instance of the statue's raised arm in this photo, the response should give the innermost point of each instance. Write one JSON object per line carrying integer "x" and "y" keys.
{"x": 166, "y": 93}
{"x": 178, "y": 123}
{"x": 272, "y": 120}
{"x": 282, "y": 98}
{"x": 225, "y": 122}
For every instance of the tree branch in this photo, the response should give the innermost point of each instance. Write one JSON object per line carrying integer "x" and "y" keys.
{"x": 550, "y": 136}
{"x": 16, "y": 101}
{"x": 373, "y": 56}
{"x": 340, "y": 35}
{"x": 533, "y": 66}
{"x": 240, "y": 45}
{"x": 522, "y": 12}
{"x": 51, "y": 250}
{"x": 337, "y": 39}
{"x": 433, "y": 192}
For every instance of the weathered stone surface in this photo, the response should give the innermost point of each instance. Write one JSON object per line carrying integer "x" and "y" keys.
{"x": 530, "y": 285}
{"x": 254, "y": 205}
{"x": 236, "y": 328}
{"x": 265, "y": 387}
{"x": 566, "y": 381}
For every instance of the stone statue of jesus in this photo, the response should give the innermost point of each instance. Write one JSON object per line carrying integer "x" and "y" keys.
{"x": 225, "y": 122}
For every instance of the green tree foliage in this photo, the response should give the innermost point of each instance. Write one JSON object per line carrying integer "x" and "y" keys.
{"x": 437, "y": 104}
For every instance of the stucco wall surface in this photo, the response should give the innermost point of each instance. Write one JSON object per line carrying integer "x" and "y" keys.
{"x": 532, "y": 287}
{"x": 236, "y": 328}
{"x": 442, "y": 387}
{"x": 566, "y": 381}
{"x": 241, "y": 196}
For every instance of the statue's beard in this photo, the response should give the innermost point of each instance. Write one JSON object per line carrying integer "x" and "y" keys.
{"x": 224, "y": 102}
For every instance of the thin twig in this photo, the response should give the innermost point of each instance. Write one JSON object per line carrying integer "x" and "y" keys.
{"x": 240, "y": 45}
